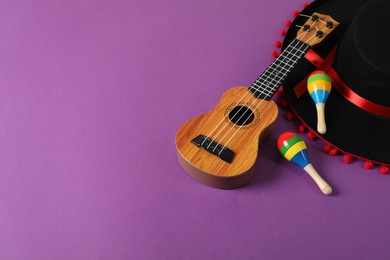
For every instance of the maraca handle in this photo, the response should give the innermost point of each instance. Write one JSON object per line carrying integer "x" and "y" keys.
{"x": 325, "y": 187}
{"x": 321, "y": 125}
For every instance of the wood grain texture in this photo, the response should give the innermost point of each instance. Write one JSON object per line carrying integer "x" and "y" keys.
{"x": 207, "y": 167}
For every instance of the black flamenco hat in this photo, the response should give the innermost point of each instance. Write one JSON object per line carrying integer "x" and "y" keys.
{"x": 358, "y": 108}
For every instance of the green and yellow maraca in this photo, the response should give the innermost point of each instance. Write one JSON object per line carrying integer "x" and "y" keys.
{"x": 319, "y": 86}
{"x": 293, "y": 148}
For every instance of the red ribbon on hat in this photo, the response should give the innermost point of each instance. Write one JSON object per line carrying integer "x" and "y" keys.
{"x": 339, "y": 85}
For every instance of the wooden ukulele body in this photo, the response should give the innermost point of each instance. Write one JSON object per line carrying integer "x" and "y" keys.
{"x": 220, "y": 150}
{"x": 218, "y": 125}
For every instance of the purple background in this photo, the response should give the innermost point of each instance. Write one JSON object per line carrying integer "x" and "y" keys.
{"x": 92, "y": 93}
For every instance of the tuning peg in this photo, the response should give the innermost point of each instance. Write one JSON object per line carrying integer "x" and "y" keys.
{"x": 319, "y": 86}
{"x": 294, "y": 149}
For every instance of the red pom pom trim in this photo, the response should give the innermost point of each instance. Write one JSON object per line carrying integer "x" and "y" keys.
{"x": 368, "y": 165}
{"x": 327, "y": 148}
{"x": 304, "y": 5}
{"x": 289, "y": 116}
{"x": 384, "y": 169}
{"x": 302, "y": 128}
{"x": 311, "y": 135}
{"x": 283, "y": 103}
{"x": 333, "y": 152}
{"x": 348, "y": 159}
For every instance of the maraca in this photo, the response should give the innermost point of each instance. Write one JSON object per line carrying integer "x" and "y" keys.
{"x": 319, "y": 86}
{"x": 293, "y": 148}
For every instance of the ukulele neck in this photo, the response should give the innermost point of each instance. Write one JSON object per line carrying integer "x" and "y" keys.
{"x": 269, "y": 82}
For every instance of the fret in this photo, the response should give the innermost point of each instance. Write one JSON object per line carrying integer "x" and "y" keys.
{"x": 271, "y": 79}
{"x": 279, "y": 69}
{"x": 274, "y": 76}
{"x": 297, "y": 50}
{"x": 267, "y": 84}
{"x": 264, "y": 84}
{"x": 293, "y": 55}
{"x": 287, "y": 59}
{"x": 290, "y": 60}
{"x": 261, "y": 93}
{"x": 261, "y": 88}
{"x": 270, "y": 76}
{"x": 279, "y": 65}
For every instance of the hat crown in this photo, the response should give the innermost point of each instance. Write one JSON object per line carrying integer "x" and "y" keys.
{"x": 363, "y": 60}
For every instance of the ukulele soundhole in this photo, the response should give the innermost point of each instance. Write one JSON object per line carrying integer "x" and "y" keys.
{"x": 241, "y": 115}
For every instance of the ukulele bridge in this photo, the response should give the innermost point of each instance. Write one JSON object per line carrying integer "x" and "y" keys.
{"x": 213, "y": 147}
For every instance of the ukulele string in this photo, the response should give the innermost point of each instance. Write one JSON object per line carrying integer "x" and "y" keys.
{"x": 263, "y": 85}
{"x": 241, "y": 125}
{"x": 256, "y": 90}
{"x": 305, "y": 15}
{"x": 262, "y": 91}
{"x": 283, "y": 75}
{"x": 263, "y": 99}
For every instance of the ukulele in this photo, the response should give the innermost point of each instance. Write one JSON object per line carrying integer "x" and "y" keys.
{"x": 219, "y": 148}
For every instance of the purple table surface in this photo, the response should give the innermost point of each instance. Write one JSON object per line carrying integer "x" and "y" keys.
{"x": 92, "y": 93}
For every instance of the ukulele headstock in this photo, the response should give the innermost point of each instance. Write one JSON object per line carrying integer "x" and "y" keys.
{"x": 316, "y": 28}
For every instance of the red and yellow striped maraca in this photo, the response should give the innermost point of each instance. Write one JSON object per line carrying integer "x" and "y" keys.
{"x": 294, "y": 149}
{"x": 319, "y": 86}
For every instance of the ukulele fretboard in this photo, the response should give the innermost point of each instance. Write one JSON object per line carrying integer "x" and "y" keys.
{"x": 272, "y": 78}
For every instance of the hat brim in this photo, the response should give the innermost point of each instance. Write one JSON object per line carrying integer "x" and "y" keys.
{"x": 349, "y": 128}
